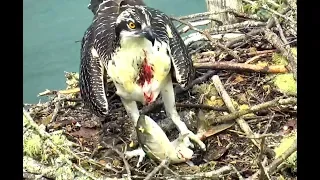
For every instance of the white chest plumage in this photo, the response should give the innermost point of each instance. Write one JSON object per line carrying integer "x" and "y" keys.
{"x": 139, "y": 69}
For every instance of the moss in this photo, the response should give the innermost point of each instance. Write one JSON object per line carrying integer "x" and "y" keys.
{"x": 217, "y": 102}
{"x": 278, "y": 59}
{"x": 64, "y": 173}
{"x": 245, "y": 107}
{"x": 72, "y": 79}
{"x": 32, "y": 145}
{"x": 285, "y": 83}
{"x": 285, "y": 143}
{"x": 267, "y": 88}
{"x": 281, "y": 177}
{"x": 262, "y": 63}
{"x": 59, "y": 139}
{"x": 294, "y": 51}
{"x": 207, "y": 89}
{"x": 210, "y": 166}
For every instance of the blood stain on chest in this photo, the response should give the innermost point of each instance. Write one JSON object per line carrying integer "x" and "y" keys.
{"x": 145, "y": 76}
{"x": 146, "y": 71}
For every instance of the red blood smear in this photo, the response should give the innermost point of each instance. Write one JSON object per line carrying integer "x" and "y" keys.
{"x": 146, "y": 72}
{"x": 148, "y": 98}
{"x": 145, "y": 75}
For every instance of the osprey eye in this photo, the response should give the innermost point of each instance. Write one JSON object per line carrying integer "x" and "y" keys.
{"x": 131, "y": 25}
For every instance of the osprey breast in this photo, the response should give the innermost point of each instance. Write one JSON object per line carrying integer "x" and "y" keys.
{"x": 146, "y": 71}
{"x": 138, "y": 69}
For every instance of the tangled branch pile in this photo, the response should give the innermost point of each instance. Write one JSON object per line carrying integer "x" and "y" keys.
{"x": 242, "y": 104}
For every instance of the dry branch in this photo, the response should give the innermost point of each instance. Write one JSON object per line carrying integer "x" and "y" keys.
{"x": 201, "y": 106}
{"x": 227, "y": 100}
{"x": 283, "y": 38}
{"x": 156, "y": 169}
{"x": 265, "y": 6}
{"x": 270, "y": 24}
{"x": 197, "y": 15}
{"x": 276, "y": 41}
{"x": 216, "y": 174}
{"x": 237, "y": 26}
{"x": 206, "y": 33}
{"x": 126, "y": 164}
{"x": 259, "y": 107}
{"x": 167, "y": 124}
{"x": 275, "y": 163}
{"x": 263, "y": 172}
{"x": 273, "y": 166}
{"x": 242, "y": 67}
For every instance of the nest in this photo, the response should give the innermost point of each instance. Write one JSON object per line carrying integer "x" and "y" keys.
{"x": 242, "y": 102}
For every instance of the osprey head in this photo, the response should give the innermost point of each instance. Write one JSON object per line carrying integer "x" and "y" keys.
{"x": 134, "y": 22}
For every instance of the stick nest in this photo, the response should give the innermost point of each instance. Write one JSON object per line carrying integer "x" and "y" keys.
{"x": 242, "y": 102}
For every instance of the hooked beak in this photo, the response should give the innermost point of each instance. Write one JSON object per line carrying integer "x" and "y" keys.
{"x": 148, "y": 34}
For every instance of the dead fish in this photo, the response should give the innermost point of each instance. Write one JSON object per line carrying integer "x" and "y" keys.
{"x": 157, "y": 146}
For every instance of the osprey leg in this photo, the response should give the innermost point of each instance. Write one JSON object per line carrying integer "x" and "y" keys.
{"x": 132, "y": 110}
{"x": 137, "y": 152}
{"x": 133, "y": 113}
{"x": 168, "y": 97}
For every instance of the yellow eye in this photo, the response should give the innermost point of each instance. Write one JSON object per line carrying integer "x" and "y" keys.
{"x": 132, "y": 25}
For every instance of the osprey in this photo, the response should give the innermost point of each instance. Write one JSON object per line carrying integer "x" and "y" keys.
{"x": 139, "y": 48}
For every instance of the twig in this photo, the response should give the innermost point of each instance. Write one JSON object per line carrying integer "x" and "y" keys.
{"x": 167, "y": 124}
{"x": 236, "y": 26}
{"x": 231, "y": 11}
{"x": 261, "y": 136}
{"x": 177, "y": 176}
{"x": 207, "y": 34}
{"x": 276, "y": 41}
{"x": 126, "y": 164}
{"x": 237, "y": 172}
{"x": 156, "y": 169}
{"x": 199, "y": 80}
{"x": 283, "y": 38}
{"x": 270, "y": 23}
{"x": 293, "y": 4}
{"x": 274, "y": 165}
{"x": 192, "y": 16}
{"x": 263, "y": 172}
{"x": 211, "y": 174}
{"x": 56, "y": 109}
{"x": 201, "y": 106}
{"x": 243, "y": 15}
{"x": 264, "y": 52}
{"x": 27, "y": 175}
{"x": 227, "y": 100}
{"x": 107, "y": 166}
{"x": 211, "y": 54}
{"x": 269, "y": 124}
{"x": 241, "y": 67}
{"x": 265, "y": 6}
{"x": 198, "y": 37}
{"x": 255, "y": 58}
{"x": 48, "y": 92}
{"x": 259, "y": 107}
{"x": 84, "y": 172}
{"x": 271, "y": 2}
{"x": 194, "y": 24}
